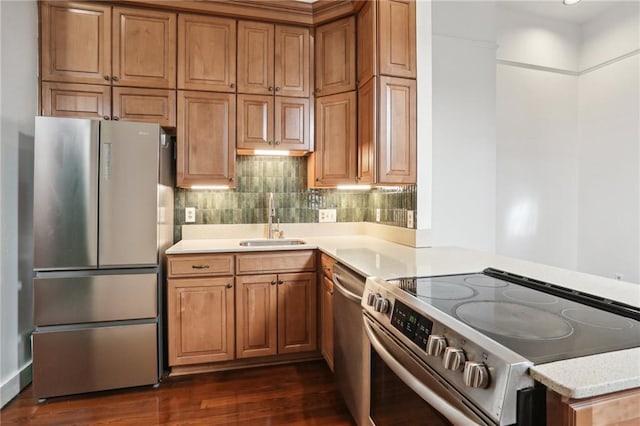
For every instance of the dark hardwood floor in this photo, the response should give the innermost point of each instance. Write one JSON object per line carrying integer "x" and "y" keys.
{"x": 294, "y": 394}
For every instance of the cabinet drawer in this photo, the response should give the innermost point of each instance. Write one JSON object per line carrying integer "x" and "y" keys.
{"x": 327, "y": 263}
{"x": 200, "y": 265}
{"x": 282, "y": 261}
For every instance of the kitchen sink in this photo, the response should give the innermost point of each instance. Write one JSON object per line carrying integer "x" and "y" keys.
{"x": 274, "y": 242}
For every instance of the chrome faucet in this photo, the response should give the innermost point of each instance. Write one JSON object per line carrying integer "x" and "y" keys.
{"x": 271, "y": 214}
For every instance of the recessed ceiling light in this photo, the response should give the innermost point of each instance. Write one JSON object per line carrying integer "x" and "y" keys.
{"x": 570, "y": 2}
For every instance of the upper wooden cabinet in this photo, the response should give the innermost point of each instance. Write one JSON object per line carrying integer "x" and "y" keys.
{"x": 335, "y": 57}
{"x": 87, "y": 43}
{"x": 206, "y": 53}
{"x": 387, "y": 39}
{"x": 206, "y": 139}
{"x": 273, "y": 59}
{"x": 387, "y": 131}
{"x": 334, "y": 160}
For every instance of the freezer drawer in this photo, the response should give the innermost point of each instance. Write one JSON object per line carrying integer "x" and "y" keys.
{"x": 92, "y": 359}
{"x": 94, "y": 298}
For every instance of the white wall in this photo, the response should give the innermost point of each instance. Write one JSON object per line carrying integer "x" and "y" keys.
{"x": 18, "y": 103}
{"x": 463, "y": 146}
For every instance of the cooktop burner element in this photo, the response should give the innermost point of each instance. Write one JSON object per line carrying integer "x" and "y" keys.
{"x": 514, "y": 320}
{"x": 484, "y": 281}
{"x": 523, "y": 295}
{"x": 443, "y": 290}
{"x": 600, "y": 319}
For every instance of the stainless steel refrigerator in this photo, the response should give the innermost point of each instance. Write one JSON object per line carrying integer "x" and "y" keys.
{"x": 103, "y": 216}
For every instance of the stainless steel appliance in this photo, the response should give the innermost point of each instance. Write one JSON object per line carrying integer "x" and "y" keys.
{"x": 103, "y": 215}
{"x": 351, "y": 348}
{"x": 456, "y": 349}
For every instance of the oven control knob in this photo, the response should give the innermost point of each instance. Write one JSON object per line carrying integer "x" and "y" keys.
{"x": 436, "y": 345}
{"x": 475, "y": 375}
{"x": 371, "y": 298}
{"x": 453, "y": 358}
{"x": 381, "y": 305}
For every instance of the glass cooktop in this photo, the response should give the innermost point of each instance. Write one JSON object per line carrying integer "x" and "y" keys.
{"x": 540, "y": 321}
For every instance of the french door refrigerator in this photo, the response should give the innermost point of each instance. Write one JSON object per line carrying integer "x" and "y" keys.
{"x": 103, "y": 216}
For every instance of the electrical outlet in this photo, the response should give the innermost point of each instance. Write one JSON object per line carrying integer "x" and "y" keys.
{"x": 377, "y": 215}
{"x": 618, "y": 276}
{"x": 409, "y": 218}
{"x": 326, "y": 215}
{"x": 189, "y": 214}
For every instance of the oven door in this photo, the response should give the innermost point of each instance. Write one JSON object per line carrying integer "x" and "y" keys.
{"x": 404, "y": 390}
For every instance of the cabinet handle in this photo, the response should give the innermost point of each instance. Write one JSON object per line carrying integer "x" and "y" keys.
{"x": 280, "y": 282}
{"x": 116, "y": 118}
{"x": 229, "y": 285}
{"x": 106, "y": 117}
{"x": 273, "y": 282}
{"x": 270, "y": 142}
{"x": 277, "y": 142}
{"x": 317, "y": 179}
{"x": 270, "y": 88}
{"x": 106, "y": 77}
{"x": 230, "y": 179}
{"x": 232, "y": 85}
{"x": 200, "y": 266}
{"x": 115, "y": 78}
{"x": 277, "y": 89}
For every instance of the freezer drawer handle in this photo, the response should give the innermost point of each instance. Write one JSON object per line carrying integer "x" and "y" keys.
{"x": 200, "y": 266}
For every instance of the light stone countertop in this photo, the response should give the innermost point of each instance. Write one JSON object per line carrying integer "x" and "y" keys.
{"x": 575, "y": 378}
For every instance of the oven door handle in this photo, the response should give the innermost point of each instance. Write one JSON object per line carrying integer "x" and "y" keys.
{"x": 452, "y": 414}
{"x": 346, "y": 293}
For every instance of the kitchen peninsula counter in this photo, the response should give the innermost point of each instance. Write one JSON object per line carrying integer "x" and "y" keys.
{"x": 573, "y": 378}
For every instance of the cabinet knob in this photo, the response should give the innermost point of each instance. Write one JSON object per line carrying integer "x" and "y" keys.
{"x": 106, "y": 77}
{"x": 232, "y": 85}
{"x": 270, "y": 142}
{"x": 277, "y": 89}
{"x": 273, "y": 282}
{"x": 116, "y": 118}
{"x": 115, "y": 78}
{"x": 277, "y": 142}
{"x": 270, "y": 88}
{"x": 106, "y": 117}
{"x": 280, "y": 282}
{"x": 317, "y": 179}
{"x": 231, "y": 179}
{"x": 229, "y": 285}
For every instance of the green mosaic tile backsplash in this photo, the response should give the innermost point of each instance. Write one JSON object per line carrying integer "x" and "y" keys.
{"x": 286, "y": 177}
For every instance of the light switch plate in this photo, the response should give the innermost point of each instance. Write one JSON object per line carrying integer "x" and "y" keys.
{"x": 326, "y": 215}
{"x": 377, "y": 215}
{"x": 409, "y": 218}
{"x": 189, "y": 214}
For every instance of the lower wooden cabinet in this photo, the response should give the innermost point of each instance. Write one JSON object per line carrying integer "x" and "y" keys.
{"x": 619, "y": 408}
{"x": 326, "y": 308}
{"x": 275, "y": 314}
{"x": 201, "y": 320}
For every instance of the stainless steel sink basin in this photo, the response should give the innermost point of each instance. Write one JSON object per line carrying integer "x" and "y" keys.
{"x": 274, "y": 242}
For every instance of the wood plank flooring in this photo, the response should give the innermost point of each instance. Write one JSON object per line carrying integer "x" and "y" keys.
{"x": 294, "y": 394}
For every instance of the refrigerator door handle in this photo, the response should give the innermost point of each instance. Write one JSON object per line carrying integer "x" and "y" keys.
{"x": 106, "y": 160}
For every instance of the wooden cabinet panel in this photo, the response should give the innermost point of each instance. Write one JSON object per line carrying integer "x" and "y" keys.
{"x": 76, "y": 100}
{"x": 291, "y": 61}
{"x": 75, "y": 42}
{"x": 206, "y": 53}
{"x": 291, "y": 123}
{"x": 334, "y": 159}
{"x": 335, "y": 57}
{"x": 200, "y": 264}
{"x": 615, "y": 409}
{"x": 327, "y": 263}
{"x": 147, "y": 105}
{"x": 367, "y": 49}
{"x": 367, "y": 131}
{"x": 326, "y": 321}
{"x": 255, "y": 57}
{"x": 255, "y": 122}
{"x": 283, "y": 261}
{"x": 297, "y": 325}
{"x": 201, "y": 320}
{"x": 397, "y": 38}
{"x": 206, "y": 139}
{"x": 397, "y": 133}
{"x": 256, "y": 316}
{"x": 144, "y": 48}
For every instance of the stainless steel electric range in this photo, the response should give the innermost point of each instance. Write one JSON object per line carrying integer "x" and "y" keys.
{"x": 459, "y": 346}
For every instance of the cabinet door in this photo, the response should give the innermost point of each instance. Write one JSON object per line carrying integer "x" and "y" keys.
{"x": 256, "y": 315}
{"x": 255, "y": 122}
{"x": 336, "y": 57}
{"x": 146, "y": 105}
{"x": 76, "y": 42}
{"x": 144, "y": 48}
{"x": 367, "y": 43}
{"x": 292, "y": 123}
{"x": 326, "y": 320}
{"x": 201, "y": 320}
{"x": 297, "y": 324}
{"x": 206, "y": 53}
{"x": 76, "y": 100}
{"x": 335, "y": 153}
{"x": 255, "y": 57}
{"x": 397, "y": 30}
{"x": 291, "y": 61}
{"x": 397, "y": 136}
{"x": 206, "y": 139}
{"x": 367, "y": 122}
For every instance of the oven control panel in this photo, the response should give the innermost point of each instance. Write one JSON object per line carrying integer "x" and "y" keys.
{"x": 410, "y": 323}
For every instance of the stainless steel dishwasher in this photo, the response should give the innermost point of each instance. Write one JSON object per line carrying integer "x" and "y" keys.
{"x": 351, "y": 346}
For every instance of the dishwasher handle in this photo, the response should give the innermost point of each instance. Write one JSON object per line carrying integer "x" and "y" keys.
{"x": 343, "y": 290}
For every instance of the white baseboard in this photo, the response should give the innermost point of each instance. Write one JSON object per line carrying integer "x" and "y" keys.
{"x": 12, "y": 387}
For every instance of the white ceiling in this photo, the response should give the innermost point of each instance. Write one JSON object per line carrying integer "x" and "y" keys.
{"x": 578, "y": 13}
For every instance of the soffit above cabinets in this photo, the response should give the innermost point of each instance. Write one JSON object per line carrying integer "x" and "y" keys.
{"x": 307, "y": 12}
